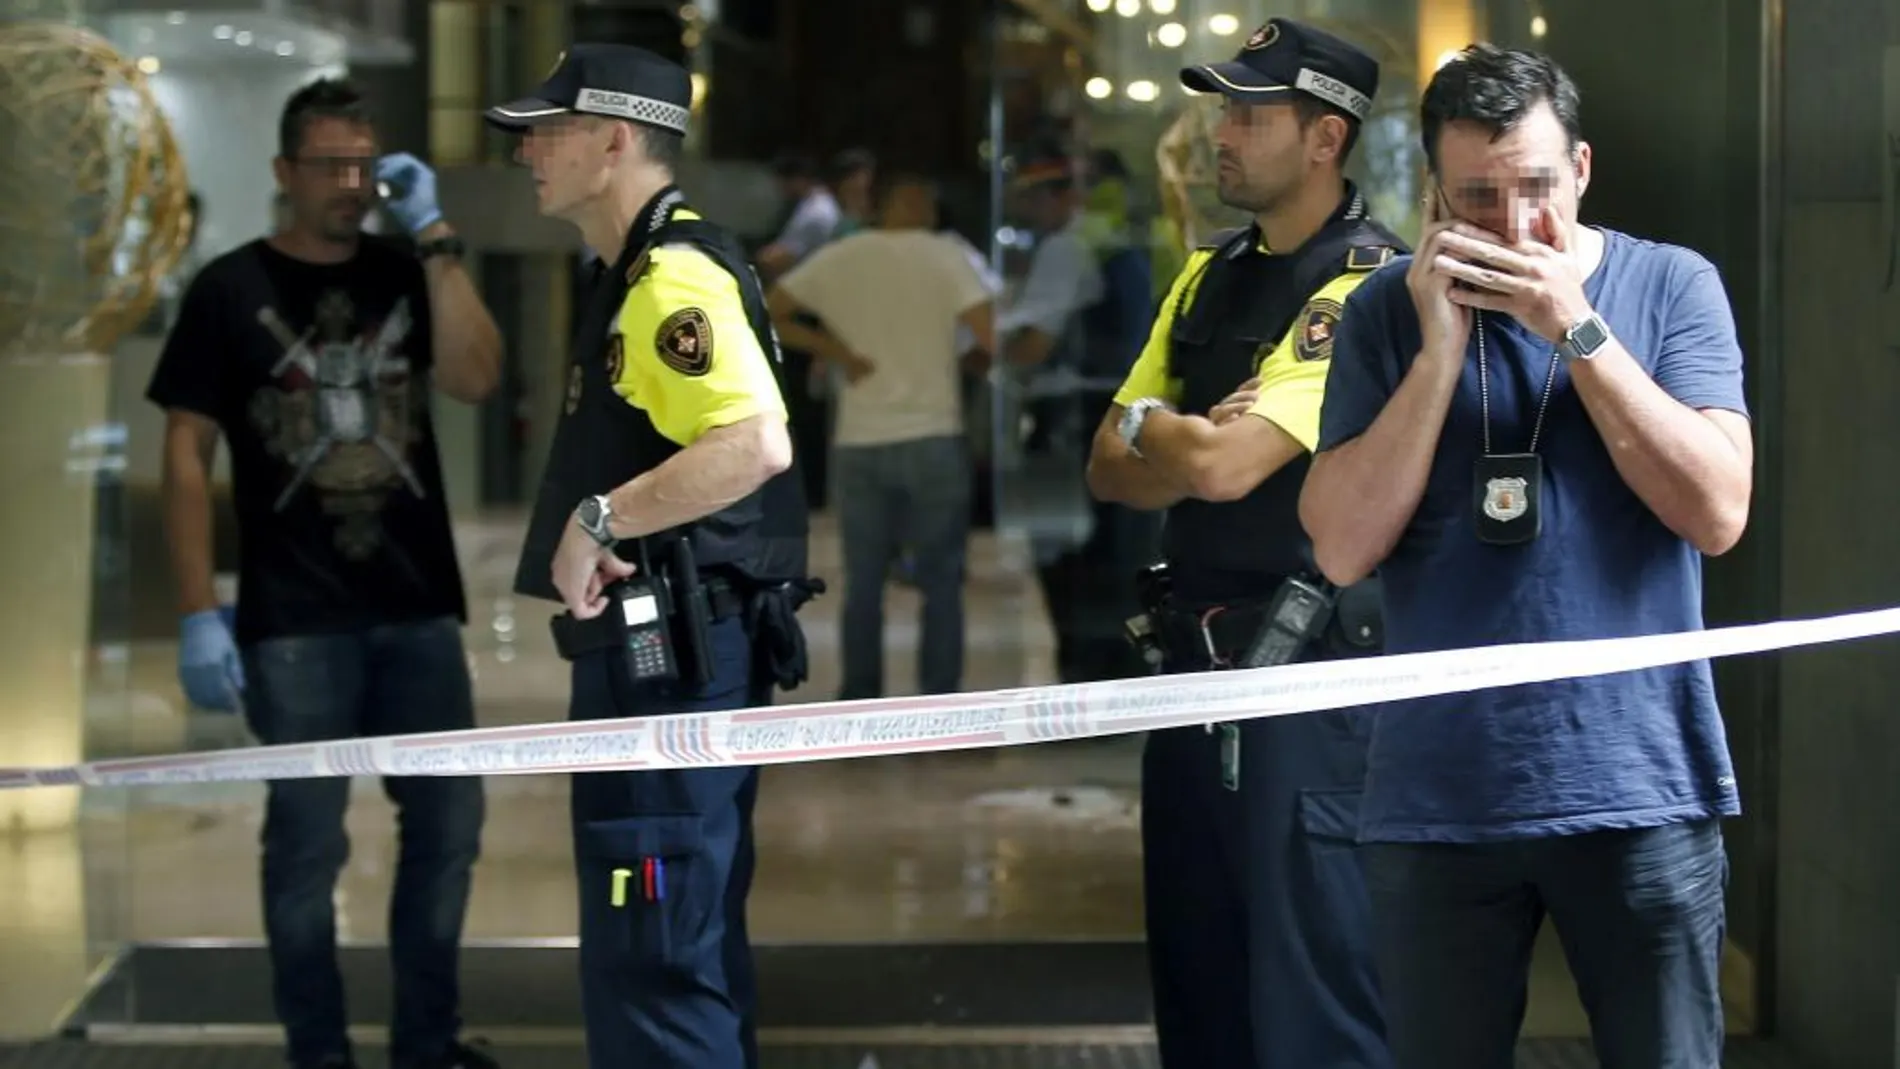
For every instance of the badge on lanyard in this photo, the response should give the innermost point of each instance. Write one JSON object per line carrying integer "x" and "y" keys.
{"x": 1508, "y": 488}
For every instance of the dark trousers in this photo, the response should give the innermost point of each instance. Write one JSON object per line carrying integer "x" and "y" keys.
{"x": 389, "y": 680}
{"x": 1640, "y": 914}
{"x": 1259, "y": 933}
{"x": 663, "y": 863}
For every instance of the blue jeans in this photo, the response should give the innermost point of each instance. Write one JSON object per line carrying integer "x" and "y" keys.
{"x": 663, "y": 864}
{"x": 387, "y": 680}
{"x": 1640, "y": 914}
{"x": 906, "y": 495}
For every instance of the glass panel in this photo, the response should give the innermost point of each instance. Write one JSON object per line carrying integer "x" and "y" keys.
{"x": 456, "y": 96}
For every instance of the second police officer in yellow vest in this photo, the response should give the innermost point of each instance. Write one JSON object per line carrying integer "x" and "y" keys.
{"x": 671, "y": 524}
{"x": 1257, "y": 915}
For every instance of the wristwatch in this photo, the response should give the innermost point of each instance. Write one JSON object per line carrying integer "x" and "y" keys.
{"x": 1582, "y": 341}
{"x": 1133, "y": 417}
{"x": 450, "y": 246}
{"x": 593, "y": 516}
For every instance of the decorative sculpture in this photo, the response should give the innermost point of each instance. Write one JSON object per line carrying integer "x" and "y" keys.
{"x": 95, "y": 208}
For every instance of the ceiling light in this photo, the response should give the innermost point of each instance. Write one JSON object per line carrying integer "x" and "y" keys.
{"x": 222, "y": 33}
{"x": 285, "y": 48}
{"x": 1171, "y": 34}
{"x": 1223, "y": 25}
{"x": 1098, "y": 87}
{"x": 1162, "y": 7}
{"x": 243, "y": 37}
{"x": 1143, "y": 90}
{"x": 1538, "y": 26}
{"x": 148, "y": 65}
{"x": 1128, "y": 9}
{"x": 1099, "y": 6}
{"x": 176, "y": 18}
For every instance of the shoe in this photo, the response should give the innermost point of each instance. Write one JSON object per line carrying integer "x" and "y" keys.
{"x": 458, "y": 1056}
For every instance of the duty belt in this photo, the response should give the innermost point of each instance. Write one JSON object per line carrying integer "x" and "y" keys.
{"x": 576, "y": 638}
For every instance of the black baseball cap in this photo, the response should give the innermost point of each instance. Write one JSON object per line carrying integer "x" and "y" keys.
{"x": 618, "y": 81}
{"x": 1286, "y": 56}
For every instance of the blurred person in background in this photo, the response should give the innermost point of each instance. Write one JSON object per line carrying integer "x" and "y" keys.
{"x": 888, "y": 303}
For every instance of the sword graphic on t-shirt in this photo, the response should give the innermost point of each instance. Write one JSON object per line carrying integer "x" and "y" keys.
{"x": 343, "y": 377}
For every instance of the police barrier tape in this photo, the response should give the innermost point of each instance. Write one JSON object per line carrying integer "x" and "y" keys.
{"x": 781, "y": 734}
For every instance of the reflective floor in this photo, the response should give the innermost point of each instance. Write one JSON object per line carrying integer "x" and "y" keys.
{"x": 1029, "y": 843}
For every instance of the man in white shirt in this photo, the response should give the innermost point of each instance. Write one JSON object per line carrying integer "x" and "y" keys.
{"x": 890, "y": 300}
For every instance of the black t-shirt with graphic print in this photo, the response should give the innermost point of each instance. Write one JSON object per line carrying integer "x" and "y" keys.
{"x": 318, "y": 375}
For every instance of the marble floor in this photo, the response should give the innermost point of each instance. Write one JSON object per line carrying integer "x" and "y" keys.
{"x": 1032, "y": 842}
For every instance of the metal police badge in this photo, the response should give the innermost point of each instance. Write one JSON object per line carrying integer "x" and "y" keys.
{"x": 1263, "y": 37}
{"x": 685, "y": 342}
{"x": 1316, "y": 327}
{"x": 1504, "y": 499}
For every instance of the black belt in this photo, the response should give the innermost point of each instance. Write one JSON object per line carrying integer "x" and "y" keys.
{"x": 578, "y": 638}
{"x": 1217, "y": 636}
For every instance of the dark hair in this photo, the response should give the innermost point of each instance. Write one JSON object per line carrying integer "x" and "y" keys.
{"x": 663, "y": 147}
{"x": 1310, "y": 109}
{"x": 1496, "y": 88}
{"x": 850, "y": 162}
{"x": 327, "y": 98}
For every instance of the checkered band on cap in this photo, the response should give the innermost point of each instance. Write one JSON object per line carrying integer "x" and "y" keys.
{"x": 631, "y": 106}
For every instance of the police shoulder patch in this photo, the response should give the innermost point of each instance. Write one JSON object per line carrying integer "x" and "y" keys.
{"x": 685, "y": 342}
{"x": 1317, "y": 323}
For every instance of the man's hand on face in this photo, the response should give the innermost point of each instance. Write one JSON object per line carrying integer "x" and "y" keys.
{"x": 1536, "y": 281}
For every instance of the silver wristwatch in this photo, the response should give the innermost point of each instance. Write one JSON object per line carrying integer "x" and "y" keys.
{"x": 1133, "y": 417}
{"x": 593, "y": 516}
{"x": 1582, "y": 340}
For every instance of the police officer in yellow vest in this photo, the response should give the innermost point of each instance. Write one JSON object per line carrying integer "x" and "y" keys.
{"x": 672, "y": 525}
{"x": 1257, "y": 917}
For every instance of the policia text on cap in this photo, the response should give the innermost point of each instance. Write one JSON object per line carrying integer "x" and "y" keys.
{"x": 672, "y": 525}
{"x": 1257, "y": 919}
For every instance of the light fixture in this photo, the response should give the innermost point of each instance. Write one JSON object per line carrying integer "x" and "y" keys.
{"x": 1143, "y": 90}
{"x": 285, "y": 48}
{"x": 1098, "y": 87}
{"x": 176, "y": 18}
{"x": 1099, "y": 6}
{"x": 1170, "y": 34}
{"x": 1128, "y": 9}
{"x": 1538, "y": 26}
{"x": 222, "y": 33}
{"x": 1162, "y": 7}
{"x": 242, "y": 37}
{"x": 1223, "y": 25}
{"x": 148, "y": 65}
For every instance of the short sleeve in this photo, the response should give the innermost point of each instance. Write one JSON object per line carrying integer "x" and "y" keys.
{"x": 820, "y": 281}
{"x": 1700, "y": 360}
{"x": 1063, "y": 278}
{"x": 1149, "y": 376}
{"x": 1293, "y": 376}
{"x": 688, "y": 357}
{"x": 190, "y": 374}
{"x": 1358, "y": 379}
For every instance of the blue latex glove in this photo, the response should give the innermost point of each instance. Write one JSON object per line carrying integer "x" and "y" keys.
{"x": 208, "y": 666}
{"x": 410, "y": 195}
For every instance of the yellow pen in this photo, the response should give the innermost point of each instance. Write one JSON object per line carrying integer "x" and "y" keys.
{"x": 621, "y": 876}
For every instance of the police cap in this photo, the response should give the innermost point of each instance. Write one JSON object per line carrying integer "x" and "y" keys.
{"x": 618, "y": 81}
{"x": 1286, "y": 56}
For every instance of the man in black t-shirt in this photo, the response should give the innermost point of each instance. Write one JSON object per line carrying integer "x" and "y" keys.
{"x": 311, "y": 352}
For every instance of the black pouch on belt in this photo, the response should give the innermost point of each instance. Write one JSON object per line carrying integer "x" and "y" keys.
{"x": 778, "y": 639}
{"x": 693, "y": 622}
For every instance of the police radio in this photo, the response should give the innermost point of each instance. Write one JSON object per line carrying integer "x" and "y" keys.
{"x": 1298, "y": 615}
{"x": 645, "y": 607}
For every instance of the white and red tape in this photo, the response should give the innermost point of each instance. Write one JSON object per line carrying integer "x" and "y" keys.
{"x": 822, "y": 731}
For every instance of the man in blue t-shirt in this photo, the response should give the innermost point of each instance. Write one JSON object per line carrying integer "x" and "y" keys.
{"x": 1534, "y": 429}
